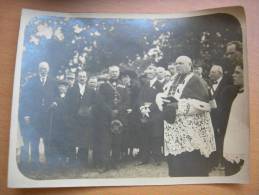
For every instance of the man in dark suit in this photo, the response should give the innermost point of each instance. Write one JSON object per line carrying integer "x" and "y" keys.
{"x": 219, "y": 115}
{"x": 59, "y": 134}
{"x": 152, "y": 122}
{"x": 37, "y": 97}
{"x": 116, "y": 98}
{"x": 80, "y": 102}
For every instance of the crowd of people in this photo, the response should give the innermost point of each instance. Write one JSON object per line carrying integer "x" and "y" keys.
{"x": 167, "y": 113}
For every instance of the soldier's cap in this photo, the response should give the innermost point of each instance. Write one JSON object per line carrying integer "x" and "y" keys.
{"x": 70, "y": 75}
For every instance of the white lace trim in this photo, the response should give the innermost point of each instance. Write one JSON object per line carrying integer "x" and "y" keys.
{"x": 234, "y": 157}
{"x": 188, "y": 133}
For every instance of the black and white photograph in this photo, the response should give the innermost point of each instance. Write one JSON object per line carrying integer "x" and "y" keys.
{"x": 129, "y": 99}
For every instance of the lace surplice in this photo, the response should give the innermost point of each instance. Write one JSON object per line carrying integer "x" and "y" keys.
{"x": 192, "y": 129}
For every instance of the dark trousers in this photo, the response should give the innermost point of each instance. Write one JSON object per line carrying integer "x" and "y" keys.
{"x": 145, "y": 142}
{"x": 116, "y": 148}
{"x": 31, "y": 137}
{"x": 156, "y": 143}
{"x": 151, "y": 145}
{"x": 187, "y": 164}
{"x": 79, "y": 159}
{"x": 34, "y": 150}
{"x": 102, "y": 139}
{"x": 82, "y": 156}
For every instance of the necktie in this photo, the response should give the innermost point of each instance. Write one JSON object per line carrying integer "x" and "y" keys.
{"x": 43, "y": 80}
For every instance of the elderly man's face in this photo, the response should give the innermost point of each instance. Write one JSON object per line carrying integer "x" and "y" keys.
{"x": 43, "y": 69}
{"x": 181, "y": 66}
{"x": 114, "y": 72}
{"x": 82, "y": 78}
{"x": 238, "y": 78}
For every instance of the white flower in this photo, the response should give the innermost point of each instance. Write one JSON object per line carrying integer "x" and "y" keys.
{"x": 44, "y": 30}
{"x": 59, "y": 34}
{"x": 34, "y": 40}
{"x": 97, "y": 33}
{"x": 218, "y": 34}
{"x": 75, "y": 58}
{"x": 81, "y": 59}
{"x": 111, "y": 29}
{"x": 77, "y": 29}
{"x": 73, "y": 69}
{"x": 95, "y": 44}
{"x": 78, "y": 37}
{"x": 88, "y": 49}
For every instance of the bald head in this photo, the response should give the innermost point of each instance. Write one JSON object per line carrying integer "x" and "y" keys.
{"x": 43, "y": 69}
{"x": 183, "y": 64}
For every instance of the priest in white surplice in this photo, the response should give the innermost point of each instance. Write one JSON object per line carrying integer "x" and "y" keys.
{"x": 188, "y": 132}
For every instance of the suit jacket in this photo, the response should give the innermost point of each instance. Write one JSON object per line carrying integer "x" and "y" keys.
{"x": 148, "y": 94}
{"x": 224, "y": 100}
{"x": 79, "y": 116}
{"x": 36, "y": 100}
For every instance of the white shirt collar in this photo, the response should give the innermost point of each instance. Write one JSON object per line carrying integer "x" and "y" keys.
{"x": 151, "y": 82}
{"x": 81, "y": 88}
{"x": 215, "y": 86}
{"x": 43, "y": 79}
{"x": 161, "y": 81}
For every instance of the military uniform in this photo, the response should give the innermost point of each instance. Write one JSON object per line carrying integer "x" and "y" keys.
{"x": 115, "y": 98}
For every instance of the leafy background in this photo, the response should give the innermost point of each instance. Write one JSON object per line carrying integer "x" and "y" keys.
{"x": 94, "y": 44}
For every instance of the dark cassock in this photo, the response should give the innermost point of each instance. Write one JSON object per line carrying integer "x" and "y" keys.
{"x": 115, "y": 97}
{"x": 188, "y": 132}
{"x": 151, "y": 122}
{"x": 37, "y": 96}
{"x": 79, "y": 105}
